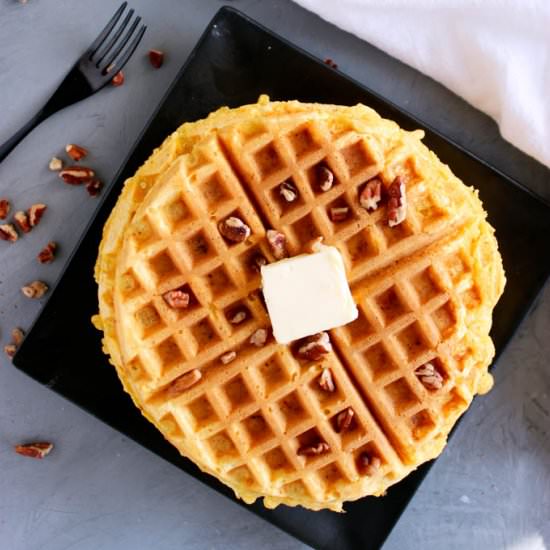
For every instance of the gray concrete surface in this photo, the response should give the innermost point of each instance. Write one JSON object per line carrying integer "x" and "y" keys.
{"x": 98, "y": 490}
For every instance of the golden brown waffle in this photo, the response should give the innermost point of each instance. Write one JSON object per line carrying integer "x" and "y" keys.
{"x": 425, "y": 291}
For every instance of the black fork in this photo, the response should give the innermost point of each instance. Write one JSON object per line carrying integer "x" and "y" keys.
{"x": 105, "y": 57}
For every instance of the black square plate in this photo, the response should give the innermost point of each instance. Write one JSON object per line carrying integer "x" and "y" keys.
{"x": 235, "y": 60}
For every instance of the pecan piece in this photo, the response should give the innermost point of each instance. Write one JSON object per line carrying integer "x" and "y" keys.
{"x": 10, "y": 349}
{"x": 55, "y": 164}
{"x": 8, "y": 232}
{"x": 156, "y": 58}
{"x": 328, "y": 61}
{"x": 47, "y": 254}
{"x": 226, "y": 358}
{"x": 76, "y": 175}
{"x": 288, "y": 191}
{"x": 40, "y": 449}
{"x": 371, "y": 194}
{"x": 325, "y": 178}
{"x": 238, "y": 317}
{"x": 397, "y": 204}
{"x": 183, "y": 382}
{"x": 17, "y": 336}
{"x": 277, "y": 243}
{"x": 259, "y": 338}
{"x": 326, "y": 382}
{"x": 36, "y": 289}
{"x": 75, "y": 151}
{"x": 118, "y": 79}
{"x": 344, "y": 420}
{"x": 368, "y": 465}
{"x": 339, "y": 213}
{"x": 313, "y": 450}
{"x": 22, "y": 220}
{"x": 258, "y": 261}
{"x": 4, "y": 208}
{"x": 316, "y": 347}
{"x": 94, "y": 188}
{"x": 429, "y": 376}
{"x": 176, "y": 299}
{"x": 234, "y": 229}
{"x": 36, "y": 211}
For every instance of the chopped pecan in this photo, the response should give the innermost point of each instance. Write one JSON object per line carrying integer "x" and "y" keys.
{"x": 234, "y": 229}
{"x": 47, "y": 254}
{"x": 315, "y": 245}
{"x": 94, "y": 188}
{"x": 313, "y": 450}
{"x": 40, "y": 449}
{"x": 238, "y": 317}
{"x": 259, "y": 338}
{"x": 36, "y": 289}
{"x": 177, "y": 298}
{"x": 277, "y": 243}
{"x": 10, "y": 349}
{"x": 315, "y": 347}
{"x": 226, "y": 358}
{"x": 4, "y": 208}
{"x": 118, "y": 79}
{"x": 22, "y": 220}
{"x": 75, "y": 151}
{"x": 371, "y": 194}
{"x": 397, "y": 203}
{"x": 368, "y": 465}
{"x": 288, "y": 191}
{"x": 328, "y": 61}
{"x": 76, "y": 175}
{"x": 17, "y": 336}
{"x": 344, "y": 420}
{"x": 156, "y": 58}
{"x": 8, "y": 232}
{"x": 258, "y": 261}
{"x": 325, "y": 178}
{"x": 339, "y": 213}
{"x": 55, "y": 164}
{"x": 183, "y": 382}
{"x": 36, "y": 211}
{"x": 326, "y": 382}
{"x": 429, "y": 376}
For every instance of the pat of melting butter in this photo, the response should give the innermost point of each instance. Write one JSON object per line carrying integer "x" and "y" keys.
{"x": 307, "y": 294}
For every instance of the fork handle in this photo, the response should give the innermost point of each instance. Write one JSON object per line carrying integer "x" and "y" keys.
{"x": 73, "y": 88}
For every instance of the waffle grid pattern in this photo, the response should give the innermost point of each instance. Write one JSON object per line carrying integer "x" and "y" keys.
{"x": 247, "y": 419}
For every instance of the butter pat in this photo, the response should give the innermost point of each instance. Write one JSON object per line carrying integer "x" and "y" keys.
{"x": 307, "y": 294}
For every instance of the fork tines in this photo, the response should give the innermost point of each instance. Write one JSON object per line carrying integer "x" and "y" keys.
{"x": 109, "y": 52}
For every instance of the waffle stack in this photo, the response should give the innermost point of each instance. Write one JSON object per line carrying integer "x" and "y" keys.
{"x": 244, "y": 408}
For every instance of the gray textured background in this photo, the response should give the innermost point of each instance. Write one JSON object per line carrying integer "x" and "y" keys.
{"x": 98, "y": 490}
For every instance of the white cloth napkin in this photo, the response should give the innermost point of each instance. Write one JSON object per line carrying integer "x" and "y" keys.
{"x": 493, "y": 53}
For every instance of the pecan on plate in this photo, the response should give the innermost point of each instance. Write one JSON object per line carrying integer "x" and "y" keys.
{"x": 22, "y": 220}
{"x": 10, "y": 349}
{"x": 234, "y": 229}
{"x": 156, "y": 58}
{"x": 312, "y": 450}
{"x": 325, "y": 178}
{"x": 397, "y": 203}
{"x": 315, "y": 347}
{"x": 17, "y": 336}
{"x": 277, "y": 243}
{"x": 94, "y": 188}
{"x": 76, "y": 175}
{"x": 183, "y": 382}
{"x": 55, "y": 164}
{"x": 118, "y": 79}
{"x": 371, "y": 194}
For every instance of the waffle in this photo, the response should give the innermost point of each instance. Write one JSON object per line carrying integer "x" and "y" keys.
{"x": 262, "y": 419}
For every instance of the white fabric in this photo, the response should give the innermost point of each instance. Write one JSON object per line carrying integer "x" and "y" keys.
{"x": 493, "y": 53}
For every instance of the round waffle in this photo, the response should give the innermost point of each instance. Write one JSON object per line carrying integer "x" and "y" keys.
{"x": 263, "y": 420}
